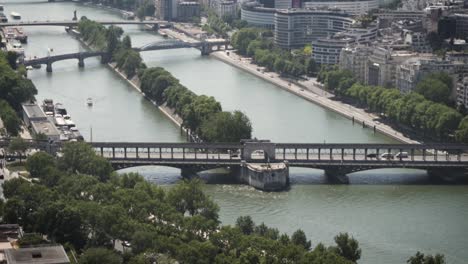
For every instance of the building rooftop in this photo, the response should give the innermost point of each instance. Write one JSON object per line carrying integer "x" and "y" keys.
{"x": 37, "y": 255}
{"x": 33, "y": 111}
{"x": 45, "y": 127}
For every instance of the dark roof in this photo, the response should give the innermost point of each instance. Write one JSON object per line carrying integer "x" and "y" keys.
{"x": 37, "y": 255}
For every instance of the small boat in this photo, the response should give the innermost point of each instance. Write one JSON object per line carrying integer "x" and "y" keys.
{"x": 36, "y": 66}
{"x": 15, "y": 15}
{"x": 89, "y": 101}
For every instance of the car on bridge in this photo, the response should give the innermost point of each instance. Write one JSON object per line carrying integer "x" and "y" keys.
{"x": 401, "y": 155}
{"x": 387, "y": 156}
{"x": 372, "y": 155}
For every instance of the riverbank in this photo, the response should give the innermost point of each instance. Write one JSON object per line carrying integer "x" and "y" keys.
{"x": 135, "y": 83}
{"x": 308, "y": 90}
{"x": 314, "y": 95}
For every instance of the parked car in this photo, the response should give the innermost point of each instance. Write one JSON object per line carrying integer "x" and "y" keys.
{"x": 387, "y": 156}
{"x": 402, "y": 155}
{"x": 372, "y": 155}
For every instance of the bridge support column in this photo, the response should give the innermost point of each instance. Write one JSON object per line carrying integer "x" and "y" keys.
{"x": 49, "y": 67}
{"x": 205, "y": 49}
{"x": 81, "y": 62}
{"x": 337, "y": 175}
{"x": 448, "y": 174}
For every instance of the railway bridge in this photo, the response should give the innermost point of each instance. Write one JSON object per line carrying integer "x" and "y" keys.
{"x": 337, "y": 160}
{"x": 205, "y": 46}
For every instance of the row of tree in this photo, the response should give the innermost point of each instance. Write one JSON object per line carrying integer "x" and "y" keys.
{"x": 426, "y": 110}
{"x": 253, "y": 43}
{"x": 73, "y": 204}
{"x": 412, "y": 109}
{"x": 201, "y": 115}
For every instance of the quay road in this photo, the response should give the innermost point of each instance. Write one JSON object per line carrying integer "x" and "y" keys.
{"x": 314, "y": 94}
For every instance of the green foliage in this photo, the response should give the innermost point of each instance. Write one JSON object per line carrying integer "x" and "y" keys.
{"x": 200, "y": 114}
{"x": 251, "y": 42}
{"x": 299, "y": 238}
{"x": 436, "y": 87}
{"x": 79, "y": 157}
{"x": 18, "y": 145}
{"x": 216, "y": 25}
{"x": 419, "y": 258}
{"x": 226, "y": 127}
{"x": 412, "y": 110}
{"x": 100, "y": 255}
{"x": 10, "y": 120}
{"x": 347, "y": 247}
{"x": 462, "y": 131}
{"x": 147, "y": 8}
{"x": 245, "y": 224}
{"x": 14, "y": 88}
{"x": 31, "y": 239}
{"x": 39, "y": 164}
{"x": 129, "y": 61}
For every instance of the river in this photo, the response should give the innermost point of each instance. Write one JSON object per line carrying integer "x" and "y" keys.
{"x": 392, "y": 213}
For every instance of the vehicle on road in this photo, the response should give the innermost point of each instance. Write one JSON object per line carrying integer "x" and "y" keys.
{"x": 387, "y": 156}
{"x": 402, "y": 155}
{"x": 372, "y": 155}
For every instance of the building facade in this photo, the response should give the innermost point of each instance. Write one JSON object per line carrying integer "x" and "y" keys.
{"x": 187, "y": 10}
{"x": 224, "y": 8}
{"x": 166, "y": 9}
{"x": 298, "y": 27}
{"x": 462, "y": 92}
{"x": 258, "y": 16}
{"x": 354, "y": 59}
{"x": 359, "y": 7}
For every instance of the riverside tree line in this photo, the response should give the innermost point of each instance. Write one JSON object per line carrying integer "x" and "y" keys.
{"x": 427, "y": 111}
{"x": 202, "y": 115}
{"x": 79, "y": 201}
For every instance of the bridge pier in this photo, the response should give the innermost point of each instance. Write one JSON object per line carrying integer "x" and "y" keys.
{"x": 337, "y": 175}
{"x": 447, "y": 174}
{"x": 81, "y": 62}
{"x": 49, "y": 67}
{"x": 205, "y": 49}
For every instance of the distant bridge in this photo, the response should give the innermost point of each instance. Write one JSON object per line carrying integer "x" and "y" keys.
{"x": 205, "y": 46}
{"x": 71, "y": 23}
{"x": 336, "y": 160}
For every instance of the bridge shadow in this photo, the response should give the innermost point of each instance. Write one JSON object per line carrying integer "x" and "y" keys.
{"x": 305, "y": 176}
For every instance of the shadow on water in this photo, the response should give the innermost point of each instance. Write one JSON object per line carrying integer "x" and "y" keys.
{"x": 303, "y": 176}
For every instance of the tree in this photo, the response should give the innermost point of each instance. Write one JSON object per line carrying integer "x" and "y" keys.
{"x": 188, "y": 197}
{"x": 462, "y": 132}
{"x": 18, "y": 145}
{"x": 434, "y": 90}
{"x": 299, "y": 238}
{"x": 419, "y": 258}
{"x": 226, "y": 127}
{"x": 38, "y": 164}
{"x": 347, "y": 247}
{"x": 12, "y": 58}
{"x": 31, "y": 239}
{"x": 126, "y": 42}
{"x": 80, "y": 157}
{"x": 245, "y": 224}
{"x": 99, "y": 255}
